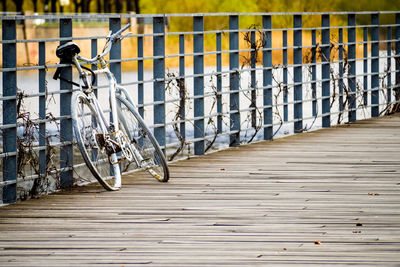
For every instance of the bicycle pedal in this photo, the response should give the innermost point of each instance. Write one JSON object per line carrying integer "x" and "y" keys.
{"x": 154, "y": 174}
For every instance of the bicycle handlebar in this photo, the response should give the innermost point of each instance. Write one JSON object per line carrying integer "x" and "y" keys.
{"x": 110, "y": 40}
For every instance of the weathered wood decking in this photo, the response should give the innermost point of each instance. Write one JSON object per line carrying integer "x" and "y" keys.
{"x": 331, "y": 196}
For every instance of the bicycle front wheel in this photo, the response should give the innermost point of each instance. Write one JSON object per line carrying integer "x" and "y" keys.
{"x": 142, "y": 139}
{"x": 88, "y": 134}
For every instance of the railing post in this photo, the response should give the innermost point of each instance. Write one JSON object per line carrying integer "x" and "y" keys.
{"x": 140, "y": 76}
{"x": 351, "y": 37}
{"x": 198, "y": 49}
{"x": 341, "y": 85}
{"x": 234, "y": 77}
{"x": 298, "y": 73}
{"x": 93, "y": 53}
{"x": 66, "y": 151}
{"x": 397, "y": 60}
{"x": 42, "y": 110}
{"x": 285, "y": 75}
{"x": 389, "y": 65}
{"x": 365, "y": 66}
{"x": 375, "y": 65}
{"x": 219, "y": 83}
{"x": 115, "y": 53}
{"x": 267, "y": 77}
{"x": 314, "y": 72}
{"x": 181, "y": 84}
{"x": 9, "y": 32}
{"x": 326, "y": 68}
{"x": 159, "y": 77}
{"x": 253, "y": 62}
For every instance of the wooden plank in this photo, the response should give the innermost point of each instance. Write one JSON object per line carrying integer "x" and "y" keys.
{"x": 325, "y": 197}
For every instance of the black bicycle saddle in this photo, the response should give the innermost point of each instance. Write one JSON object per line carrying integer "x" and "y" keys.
{"x": 67, "y": 51}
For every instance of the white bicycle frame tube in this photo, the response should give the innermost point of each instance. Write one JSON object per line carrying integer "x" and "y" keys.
{"x": 113, "y": 104}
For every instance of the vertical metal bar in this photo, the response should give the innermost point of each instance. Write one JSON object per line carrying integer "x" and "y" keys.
{"x": 267, "y": 77}
{"x": 351, "y": 37}
{"x": 219, "y": 83}
{"x": 198, "y": 49}
{"x": 298, "y": 73}
{"x": 365, "y": 66}
{"x": 285, "y": 76}
{"x": 326, "y": 71}
{"x": 397, "y": 60}
{"x": 140, "y": 76}
{"x": 389, "y": 65}
{"x": 66, "y": 151}
{"x": 115, "y": 53}
{"x": 42, "y": 109}
{"x": 234, "y": 77}
{"x": 314, "y": 72}
{"x": 114, "y": 25}
{"x": 341, "y": 85}
{"x": 253, "y": 63}
{"x": 182, "y": 87}
{"x": 94, "y": 66}
{"x": 375, "y": 65}
{"x": 9, "y": 32}
{"x": 159, "y": 76}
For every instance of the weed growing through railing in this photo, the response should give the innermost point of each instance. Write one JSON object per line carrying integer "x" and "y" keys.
{"x": 28, "y": 150}
{"x": 344, "y": 98}
{"x": 255, "y": 40}
{"x": 174, "y": 82}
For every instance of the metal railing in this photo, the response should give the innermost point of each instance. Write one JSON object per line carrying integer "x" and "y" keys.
{"x": 229, "y": 79}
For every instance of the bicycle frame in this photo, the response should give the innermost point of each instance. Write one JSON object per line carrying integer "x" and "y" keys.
{"x": 113, "y": 88}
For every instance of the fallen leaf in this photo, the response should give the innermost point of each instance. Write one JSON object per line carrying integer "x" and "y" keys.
{"x": 222, "y": 169}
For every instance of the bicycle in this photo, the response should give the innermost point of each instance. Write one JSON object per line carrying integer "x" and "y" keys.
{"x": 109, "y": 146}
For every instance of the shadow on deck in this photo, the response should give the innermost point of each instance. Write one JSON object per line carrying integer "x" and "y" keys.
{"x": 330, "y": 196}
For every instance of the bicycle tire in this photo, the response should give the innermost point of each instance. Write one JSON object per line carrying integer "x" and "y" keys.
{"x": 87, "y": 132}
{"x": 141, "y": 137}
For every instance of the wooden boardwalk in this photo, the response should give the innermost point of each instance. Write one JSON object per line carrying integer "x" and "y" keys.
{"x": 325, "y": 197}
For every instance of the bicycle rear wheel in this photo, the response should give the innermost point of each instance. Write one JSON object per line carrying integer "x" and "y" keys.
{"x": 88, "y": 134}
{"x": 143, "y": 140}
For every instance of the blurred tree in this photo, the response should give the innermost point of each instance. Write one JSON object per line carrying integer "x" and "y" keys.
{"x": 4, "y": 5}
{"x": 107, "y": 6}
{"x": 129, "y": 7}
{"x": 85, "y": 6}
{"x": 118, "y": 6}
{"x": 53, "y": 6}
{"x": 99, "y": 6}
{"x": 18, "y": 5}
{"x": 76, "y": 6}
{"x": 35, "y": 8}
